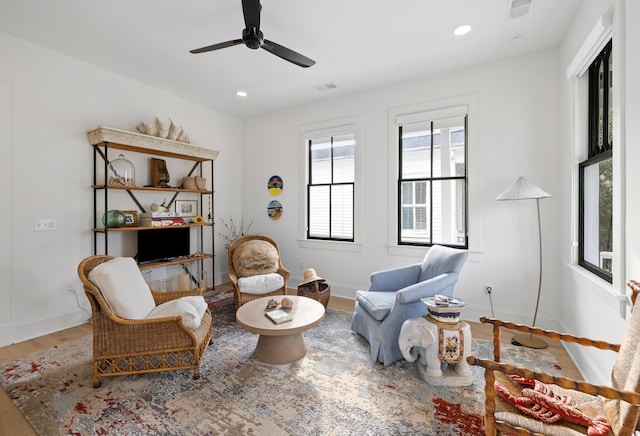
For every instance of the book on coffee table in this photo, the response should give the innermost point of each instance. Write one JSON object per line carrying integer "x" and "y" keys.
{"x": 278, "y": 316}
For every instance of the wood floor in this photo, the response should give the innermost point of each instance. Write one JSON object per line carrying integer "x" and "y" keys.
{"x": 12, "y": 422}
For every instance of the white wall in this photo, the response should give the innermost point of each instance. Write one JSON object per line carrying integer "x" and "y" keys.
{"x": 515, "y": 131}
{"x": 49, "y": 101}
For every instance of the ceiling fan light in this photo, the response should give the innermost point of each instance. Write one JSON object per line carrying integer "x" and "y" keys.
{"x": 462, "y": 30}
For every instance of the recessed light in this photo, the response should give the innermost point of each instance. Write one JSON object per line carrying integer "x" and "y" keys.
{"x": 462, "y": 30}
{"x": 241, "y": 94}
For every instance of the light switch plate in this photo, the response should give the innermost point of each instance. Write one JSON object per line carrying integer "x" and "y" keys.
{"x": 45, "y": 224}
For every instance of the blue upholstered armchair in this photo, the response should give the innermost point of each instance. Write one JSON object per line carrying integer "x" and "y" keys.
{"x": 395, "y": 295}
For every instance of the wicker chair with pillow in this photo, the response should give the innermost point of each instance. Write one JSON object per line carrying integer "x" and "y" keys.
{"x": 523, "y": 402}
{"x": 255, "y": 269}
{"x": 138, "y": 330}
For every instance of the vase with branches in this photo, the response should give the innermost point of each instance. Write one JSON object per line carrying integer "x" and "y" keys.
{"x": 233, "y": 230}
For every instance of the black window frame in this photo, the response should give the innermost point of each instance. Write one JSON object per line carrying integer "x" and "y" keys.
{"x": 429, "y": 181}
{"x": 311, "y": 185}
{"x": 597, "y": 151}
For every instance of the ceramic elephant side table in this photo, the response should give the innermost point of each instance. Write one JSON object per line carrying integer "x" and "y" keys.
{"x": 439, "y": 343}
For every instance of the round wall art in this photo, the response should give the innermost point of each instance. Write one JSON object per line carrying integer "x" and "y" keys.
{"x": 274, "y": 210}
{"x": 275, "y": 185}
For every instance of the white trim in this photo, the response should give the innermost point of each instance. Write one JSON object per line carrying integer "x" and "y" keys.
{"x": 418, "y": 252}
{"x": 10, "y": 216}
{"x": 320, "y": 244}
{"x": 608, "y": 26}
{"x": 608, "y": 294}
{"x": 22, "y": 331}
{"x": 322, "y": 130}
{"x": 431, "y": 114}
{"x": 442, "y": 108}
{"x": 592, "y": 45}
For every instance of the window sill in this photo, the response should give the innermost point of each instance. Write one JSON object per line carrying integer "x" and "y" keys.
{"x": 352, "y": 247}
{"x": 603, "y": 290}
{"x": 419, "y": 252}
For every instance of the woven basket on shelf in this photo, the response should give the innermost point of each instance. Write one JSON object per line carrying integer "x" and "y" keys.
{"x": 201, "y": 183}
{"x": 189, "y": 183}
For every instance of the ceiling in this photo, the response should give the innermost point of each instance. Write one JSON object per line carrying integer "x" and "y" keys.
{"x": 357, "y": 44}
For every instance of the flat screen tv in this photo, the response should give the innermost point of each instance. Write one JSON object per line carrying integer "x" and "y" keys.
{"x": 163, "y": 245}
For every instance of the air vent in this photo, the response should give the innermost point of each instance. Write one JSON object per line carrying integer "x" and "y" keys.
{"x": 518, "y": 8}
{"x": 326, "y": 87}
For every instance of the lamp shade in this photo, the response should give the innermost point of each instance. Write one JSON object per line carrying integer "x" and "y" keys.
{"x": 522, "y": 189}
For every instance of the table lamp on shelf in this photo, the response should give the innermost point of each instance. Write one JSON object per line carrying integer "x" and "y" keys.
{"x": 523, "y": 189}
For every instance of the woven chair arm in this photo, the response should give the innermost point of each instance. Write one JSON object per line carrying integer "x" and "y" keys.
{"x": 497, "y": 324}
{"x": 166, "y": 323}
{"x": 162, "y": 297}
{"x": 564, "y": 382}
{"x": 284, "y": 272}
{"x": 233, "y": 277}
{"x": 120, "y": 336}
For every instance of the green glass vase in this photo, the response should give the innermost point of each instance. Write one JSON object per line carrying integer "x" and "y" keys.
{"x": 113, "y": 218}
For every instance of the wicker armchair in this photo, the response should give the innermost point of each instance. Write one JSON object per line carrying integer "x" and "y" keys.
{"x": 619, "y": 404}
{"x": 261, "y": 265}
{"x": 122, "y": 346}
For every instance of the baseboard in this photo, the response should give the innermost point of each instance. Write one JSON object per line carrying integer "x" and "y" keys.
{"x": 23, "y": 331}
{"x": 473, "y": 313}
{"x": 6, "y": 334}
{"x": 341, "y": 303}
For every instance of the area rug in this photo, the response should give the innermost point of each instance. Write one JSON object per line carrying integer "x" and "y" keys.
{"x": 219, "y": 298}
{"x": 333, "y": 390}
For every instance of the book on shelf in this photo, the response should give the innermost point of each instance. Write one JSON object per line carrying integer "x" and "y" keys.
{"x": 160, "y": 219}
{"x": 278, "y": 316}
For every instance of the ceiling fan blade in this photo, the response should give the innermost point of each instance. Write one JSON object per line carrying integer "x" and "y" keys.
{"x": 217, "y": 46}
{"x": 287, "y": 54}
{"x": 251, "y": 10}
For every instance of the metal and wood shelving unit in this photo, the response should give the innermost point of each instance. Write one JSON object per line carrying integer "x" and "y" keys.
{"x": 104, "y": 139}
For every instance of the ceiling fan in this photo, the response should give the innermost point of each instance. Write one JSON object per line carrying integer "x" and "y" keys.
{"x": 253, "y": 38}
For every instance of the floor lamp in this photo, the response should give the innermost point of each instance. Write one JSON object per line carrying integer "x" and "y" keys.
{"x": 523, "y": 189}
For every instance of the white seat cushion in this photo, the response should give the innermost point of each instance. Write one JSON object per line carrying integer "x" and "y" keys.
{"x": 123, "y": 287}
{"x": 190, "y": 309}
{"x": 260, "y": 284}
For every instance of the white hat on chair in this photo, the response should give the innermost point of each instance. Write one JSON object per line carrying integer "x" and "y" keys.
{"x": 310, "y": 276}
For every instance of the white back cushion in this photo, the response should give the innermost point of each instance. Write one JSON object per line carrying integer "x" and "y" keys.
{"x": 123, "y": 287}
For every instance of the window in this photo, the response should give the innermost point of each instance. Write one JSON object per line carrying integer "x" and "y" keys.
{"x": 432, "y": 182}
{"x": 331, "y": 185}
{"x": 595, "y": 251}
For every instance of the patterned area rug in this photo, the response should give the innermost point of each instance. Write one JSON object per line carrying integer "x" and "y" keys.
{"x": 333, "y": 390}
{"x": 217, "y": 299}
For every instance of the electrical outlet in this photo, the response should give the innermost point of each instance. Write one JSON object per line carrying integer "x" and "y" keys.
{"x": 488, "y": 288}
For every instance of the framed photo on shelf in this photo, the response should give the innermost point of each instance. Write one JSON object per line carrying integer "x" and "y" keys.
{"x": 187, "y": 208}
{"x": 130, "y": 218}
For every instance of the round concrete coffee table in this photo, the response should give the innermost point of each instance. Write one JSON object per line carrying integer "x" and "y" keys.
{"x": 280, "y": 343}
